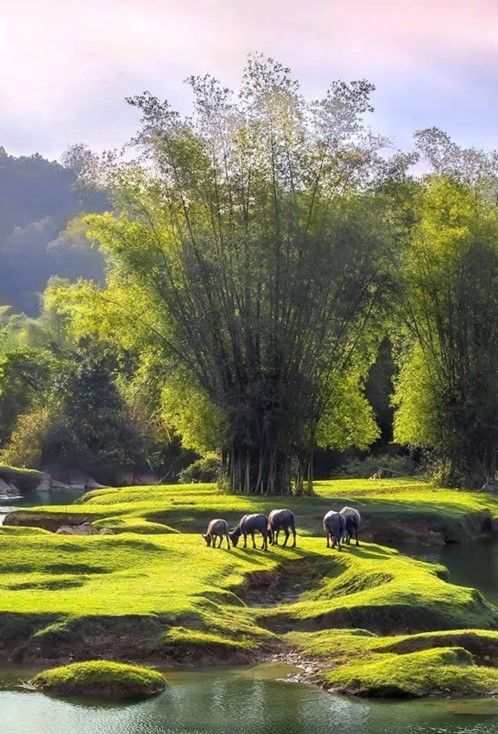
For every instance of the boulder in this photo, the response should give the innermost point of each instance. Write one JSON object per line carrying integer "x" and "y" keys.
{"x": 45, "y": 484}
{"x": 490, "y": 485}
{"x": 8, "y": 490}
{"x": 382, "y": 474}
{"x": 92, "y": 484}
{"x": 86, "y": 528}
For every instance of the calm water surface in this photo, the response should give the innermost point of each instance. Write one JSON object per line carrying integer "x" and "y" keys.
{"x": 469, "y": 564}
{"x": 37, "y": 499}
{"x": 245, "y": 702}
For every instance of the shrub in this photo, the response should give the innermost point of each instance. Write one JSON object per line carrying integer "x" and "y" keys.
{"x": 207, "y": 469}
{"x": 399, "y": 465}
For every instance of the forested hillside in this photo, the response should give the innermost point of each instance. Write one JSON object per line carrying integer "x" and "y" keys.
{"x": 37, "y": 199}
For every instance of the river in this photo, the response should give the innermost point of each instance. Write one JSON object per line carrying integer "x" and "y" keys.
{"x": 244, "y": 701}
{"x": 259, "y": 700}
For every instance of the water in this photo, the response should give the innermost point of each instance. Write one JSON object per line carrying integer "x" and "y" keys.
{"x": 247, "y": 701}
{"x": 37, "y": 499}
{"x": 469, "y": 564}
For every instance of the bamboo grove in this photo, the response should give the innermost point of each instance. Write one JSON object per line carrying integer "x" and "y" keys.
{"x": 260, "y": 249}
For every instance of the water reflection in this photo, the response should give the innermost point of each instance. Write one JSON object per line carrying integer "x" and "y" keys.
{"x": 225, "y": 702}
{"x": 469, "y": 564}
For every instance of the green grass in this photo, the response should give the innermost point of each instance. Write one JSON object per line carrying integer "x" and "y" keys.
{"x": 443, "y": 671}
{"x": 101, "y": 679}
{"x": 155, "y": 589}
{"x": 392, "y": 510}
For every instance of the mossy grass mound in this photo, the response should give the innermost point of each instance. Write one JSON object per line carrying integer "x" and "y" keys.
{"x": 381, "y": 590}
{"x": 443, "y": 671}
{"x": 456, "y": 662}
{"x": 101, "y": 679}
{"x": 25, "y": 480}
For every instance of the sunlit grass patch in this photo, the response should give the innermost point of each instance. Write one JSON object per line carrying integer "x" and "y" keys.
{"x": 101, "y": 679}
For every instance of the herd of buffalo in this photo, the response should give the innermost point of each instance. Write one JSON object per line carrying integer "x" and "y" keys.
{"x": 338, "y": 526}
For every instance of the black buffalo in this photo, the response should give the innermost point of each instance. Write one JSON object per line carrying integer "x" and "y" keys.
{"x": 334, "y": 525}
{"x": 217, "y": 529}
{"x": 282, "y": 520}
{"x": 353, "y": 522}
{"x": 249, "y": 525}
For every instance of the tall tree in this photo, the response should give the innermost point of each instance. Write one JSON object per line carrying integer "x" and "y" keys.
{"x": 248, "y": 245}
{"x": 447, "y": 391}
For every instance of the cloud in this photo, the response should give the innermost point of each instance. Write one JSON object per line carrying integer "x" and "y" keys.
{"x": 68, "y": 65}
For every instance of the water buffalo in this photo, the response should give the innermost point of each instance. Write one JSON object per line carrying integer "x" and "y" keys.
{"x": 217, "y": 529}
{"x": 334, "y": 525}
{"x": 250, "y": 524}
{"x": 282, "y": 520}
{"x": 353, "y": 522}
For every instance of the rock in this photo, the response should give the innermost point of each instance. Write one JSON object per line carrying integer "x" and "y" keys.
{"x": 146, "y": 478}
{"x": 382, "y": 474}
{"x": 85, "y": 528}
{"x": 60, "y": 485}
{"x": 8, "y": 490}
{"x": 92, "y": 484}
{"x": 45, "y": 483}
{"x": 490, "y": 485}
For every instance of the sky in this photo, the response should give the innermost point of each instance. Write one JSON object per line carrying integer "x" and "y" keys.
{"x": 67, "y": 65}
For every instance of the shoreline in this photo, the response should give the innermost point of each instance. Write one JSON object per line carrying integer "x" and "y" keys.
{"x": 149, "y": 592}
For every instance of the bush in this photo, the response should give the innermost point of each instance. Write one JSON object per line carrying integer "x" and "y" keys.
{"x": 207, "y": 469}
{"x": 369, "y": 465}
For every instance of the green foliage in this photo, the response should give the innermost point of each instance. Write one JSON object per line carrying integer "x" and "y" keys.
{"x": 32, "y": 435}
{"x": 204, "y": 470}
{"x": 193, "y": 415}
{"x": 101, "y": 679}
{"x": 25, "y": 377}
{"x": 348, "y": 418}
{"x": 254, "y": 258}
{"x": 98, "y": 434}
{"x": 446, "y": 392}
{"x": 368, "y": 466}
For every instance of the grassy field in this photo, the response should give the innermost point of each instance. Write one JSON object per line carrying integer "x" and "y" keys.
{"x": 392, "y": 510}
{"x": 155, "y": 591}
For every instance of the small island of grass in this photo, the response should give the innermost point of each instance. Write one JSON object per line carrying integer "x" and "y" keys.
{"x": 101, "y": 679}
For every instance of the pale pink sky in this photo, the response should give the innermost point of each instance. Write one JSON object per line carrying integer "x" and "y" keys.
{"x": 67, "y": 65}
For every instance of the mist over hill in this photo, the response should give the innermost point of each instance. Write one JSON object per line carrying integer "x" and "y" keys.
{"x": 38, "y": 198}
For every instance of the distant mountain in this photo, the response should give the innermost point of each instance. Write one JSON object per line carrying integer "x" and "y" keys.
{"x": 37, "y": 199}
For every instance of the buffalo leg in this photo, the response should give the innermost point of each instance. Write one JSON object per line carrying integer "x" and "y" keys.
{"x": 294, "y": 536}
{"x": 253, "y": 540}
{"x": 286, "y": 536}
{"x": 245, "y": 540}
{"x": 228, "y": 540}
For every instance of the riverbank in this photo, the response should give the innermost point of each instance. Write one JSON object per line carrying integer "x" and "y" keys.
{"x": 153, "y": 591}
